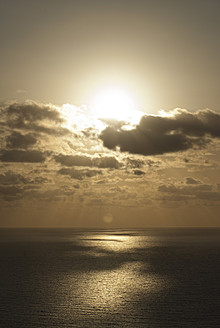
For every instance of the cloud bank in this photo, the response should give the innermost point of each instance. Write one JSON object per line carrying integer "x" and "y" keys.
{"x": 51, "y": 154}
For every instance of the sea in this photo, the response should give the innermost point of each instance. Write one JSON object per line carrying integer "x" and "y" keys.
{"x": 109, "y": 278}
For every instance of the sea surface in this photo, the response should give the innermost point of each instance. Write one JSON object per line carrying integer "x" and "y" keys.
{"x": 109, "y": 278}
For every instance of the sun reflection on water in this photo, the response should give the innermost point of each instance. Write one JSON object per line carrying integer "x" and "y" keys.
{"x": 116, "y": 242}
{"x": 119, "y": 280}
{"x": 112, "y": 242}
{"x": 115, "y": 289}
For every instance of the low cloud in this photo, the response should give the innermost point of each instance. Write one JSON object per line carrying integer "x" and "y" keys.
{"x": 10, "y": 193}
{"x": 79, "y": 174}
{"x": 190, "y": 191}
{"x": 29, "y": 156}
{"x": 50, "y": 195}
{"x": 77, "y": 160}
{"x": 139, "y": 172}
{"x": 135, "y": 163}
{"x": 185, "y": 189}
{"x": 22, "y": 141}
{"x": 11, "y": 178}
{"x": 192, "y": 181}
{"x": 179, "y": 131}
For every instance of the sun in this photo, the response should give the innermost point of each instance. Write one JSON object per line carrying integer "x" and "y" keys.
{"x": 113, "y": 103}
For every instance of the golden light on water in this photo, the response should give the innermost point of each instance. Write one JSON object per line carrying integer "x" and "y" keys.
{"x": 111, "y": 288}
{"x": 118, "y": 279}
{"x": 113, "y": 243}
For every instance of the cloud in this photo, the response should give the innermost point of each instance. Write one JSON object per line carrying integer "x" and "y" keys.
{"x": 191, "y": 181}
{"x": 134, "y": 163}
{"x": 33, "y": 116}
{"x": 179, "y": 131}
{"x": 50, "y": 195}
{"x": 29, "y": 156}
{"x": 39, "y": 180}
{"x": 18, "y": 140}
{"x": 77, "y": 160}
{"x": 139, "y": 163}
{"x": 69, "y": 160}
{"x": 106, "y": 162}
{"x": 79, "y": 174}
{"x": 15, "y": 186}
{"x": 11, "y": 178}
{"x": 139, "y": 172}
{"x": 80, "y": 167}
{"x": 31, "y": 111}
{"x": 10, "y": 193}
{"x": 190, "y": 191}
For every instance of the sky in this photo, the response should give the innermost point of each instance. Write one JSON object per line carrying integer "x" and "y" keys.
{"x": 109, "y": 113}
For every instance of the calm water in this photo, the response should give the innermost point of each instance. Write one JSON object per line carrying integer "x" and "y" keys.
{"x": 122, "y": 278}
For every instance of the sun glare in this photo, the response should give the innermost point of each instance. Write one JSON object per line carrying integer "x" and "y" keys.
{"x": 114, "y": 103}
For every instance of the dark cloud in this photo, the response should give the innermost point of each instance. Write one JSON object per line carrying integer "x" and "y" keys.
{"x": 139, "y": 163}
{"x": 158, "y": 135}
{"x": 69, "y": 160}
{"x": 14, "y": 186}
{"x": 11, "y": 178}
{"x": 77, "y": 160}
{"x": 29, "y": 156}
{"x": 79, "y": 174}
{"x": 139, "y": 172}
{"x": 39, "y": 180}
{"x": 57, "y": 131}
{"x": 10, "y": 193}
{"x": 22, "y": 141}
{"x": 191, "y": 181}
{"x": 32, "y": 111}
{"x": 134, "y": 163}
{"x": 34, "y": 116}
{"x": 175, "y": 198}
{"x": 211, "y": 195}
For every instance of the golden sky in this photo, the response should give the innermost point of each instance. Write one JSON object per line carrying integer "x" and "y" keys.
{"x": 109, "y": 113}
